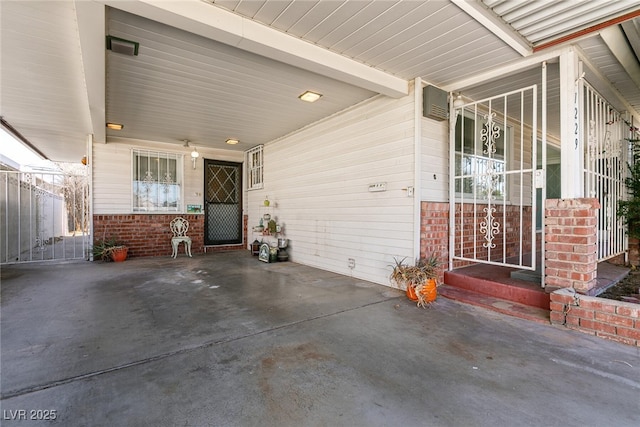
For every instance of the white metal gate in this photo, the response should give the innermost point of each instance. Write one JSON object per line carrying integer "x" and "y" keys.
{"x": 44, "y": 216}
{"x": 494, "y": 155}
{"x": 605, "y": 169}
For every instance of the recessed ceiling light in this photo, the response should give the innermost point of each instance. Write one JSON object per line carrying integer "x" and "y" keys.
{"x": 115, "y": 126}
{"x": 232, "y": 141}
{"x": 309, "y": 96}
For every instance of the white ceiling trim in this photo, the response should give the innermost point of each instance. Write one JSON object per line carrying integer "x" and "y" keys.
{"x": 226, "y": 27}
{"x": 491, "y": 23}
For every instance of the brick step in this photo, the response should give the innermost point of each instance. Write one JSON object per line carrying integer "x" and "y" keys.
{"x": 510, "y": 308}
{"x": 517, "y": 291}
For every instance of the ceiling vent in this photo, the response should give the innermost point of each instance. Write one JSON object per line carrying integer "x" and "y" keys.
{"x": 434, "y": 103}
{"x": 125, "y": 47}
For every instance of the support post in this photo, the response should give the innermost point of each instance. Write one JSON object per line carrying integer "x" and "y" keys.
{"x": 572, "y": 143}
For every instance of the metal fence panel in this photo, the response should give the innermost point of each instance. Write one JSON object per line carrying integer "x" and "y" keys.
{"x": 44, "y": 216}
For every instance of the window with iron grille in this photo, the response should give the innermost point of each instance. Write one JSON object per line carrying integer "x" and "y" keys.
{"x": 157, "y": 181}
{"x": 480, "y": 161}
{"x": 254, "y": 168}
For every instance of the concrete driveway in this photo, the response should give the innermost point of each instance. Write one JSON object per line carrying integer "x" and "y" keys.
{"x": 225, "y": 340}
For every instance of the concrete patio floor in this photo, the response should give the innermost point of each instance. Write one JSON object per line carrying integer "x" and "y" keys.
{"x": 225, "y": 340}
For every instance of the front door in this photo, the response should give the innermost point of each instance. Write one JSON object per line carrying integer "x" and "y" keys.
{"x": 223, "y": 202}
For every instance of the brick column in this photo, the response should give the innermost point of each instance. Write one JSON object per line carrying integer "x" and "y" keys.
{"x": 571, "y": 244}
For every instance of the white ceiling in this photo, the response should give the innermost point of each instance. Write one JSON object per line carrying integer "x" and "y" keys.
{"x": 211, "y": 70}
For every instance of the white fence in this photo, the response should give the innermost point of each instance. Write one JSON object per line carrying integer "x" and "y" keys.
{"x": 44, "y": 216}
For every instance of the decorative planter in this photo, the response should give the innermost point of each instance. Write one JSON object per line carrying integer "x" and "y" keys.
{"x": 119, "y": 254}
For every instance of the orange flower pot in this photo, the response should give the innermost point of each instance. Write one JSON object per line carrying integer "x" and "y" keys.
{"x": 411, "y": 292}
{"x": 430, "y": 291}
{"x": 119, "y": 255}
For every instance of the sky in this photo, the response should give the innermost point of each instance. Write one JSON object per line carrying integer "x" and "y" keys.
{"x": 20, "y": 153}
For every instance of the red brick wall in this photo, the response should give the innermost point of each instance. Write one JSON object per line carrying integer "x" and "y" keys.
{"x": 434, "y": 229}
{"x": 611, "y": 319}
{"x": 149, "y": 234}
{"x": 434, "y": 232}
{"x": 571, "y": 259}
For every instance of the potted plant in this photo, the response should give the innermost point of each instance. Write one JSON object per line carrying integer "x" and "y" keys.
{"x": 420, "y": 280}
{"x": 110, "y": 249}
{"x": 119, "y": 253}
{"x": 430, "y": 266}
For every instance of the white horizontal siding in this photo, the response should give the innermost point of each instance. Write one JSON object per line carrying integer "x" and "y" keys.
{"x": 434, "y": 173}
{"x": 318, "y": 178}
{"x": 111, "y": 167}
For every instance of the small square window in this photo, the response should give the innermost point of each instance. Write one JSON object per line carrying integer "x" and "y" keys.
{"x": 255, "y": 168}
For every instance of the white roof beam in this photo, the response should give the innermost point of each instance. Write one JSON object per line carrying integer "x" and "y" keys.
{"x": 226, "y": 27}
{"x": 603, "y": 85}
{"x": 492, "y": 23}
{"x": 616, "y": 41}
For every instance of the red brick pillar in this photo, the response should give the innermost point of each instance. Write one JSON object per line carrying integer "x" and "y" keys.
{"x": 571, "y": 243}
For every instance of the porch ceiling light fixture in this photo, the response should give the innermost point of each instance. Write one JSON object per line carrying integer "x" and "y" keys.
{"x": 232, "y": 141}
{"x": 309, "y": 96}
{"x": 194, "y": 156}
{"x": 194, "y": 153}
{"x": 115, "y": 126}
{"x": 458, "y": 101}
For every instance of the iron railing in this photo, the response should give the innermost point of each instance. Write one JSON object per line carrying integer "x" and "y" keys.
{"x": 605, "y": 168}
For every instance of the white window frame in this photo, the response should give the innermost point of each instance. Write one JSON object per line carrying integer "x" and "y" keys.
{"x": 158, "y": 185}
{"x": 255, "y": 168}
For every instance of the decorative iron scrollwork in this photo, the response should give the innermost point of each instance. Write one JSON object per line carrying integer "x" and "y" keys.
{"x": 489, "y": 134}
{"x": 166, "y": 181}
{"x": 489, "y": 227}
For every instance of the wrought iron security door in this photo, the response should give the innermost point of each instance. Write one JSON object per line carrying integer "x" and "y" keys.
{"x": 493, "y": 157}
{"x": 223, "y": 203}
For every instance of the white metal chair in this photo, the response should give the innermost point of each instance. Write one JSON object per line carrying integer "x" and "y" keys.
{"x": 179, "y": 227}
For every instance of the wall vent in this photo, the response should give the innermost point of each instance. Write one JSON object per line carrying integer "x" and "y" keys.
{"x": 125, "y": 47}
{"x": 434, "y": 103}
